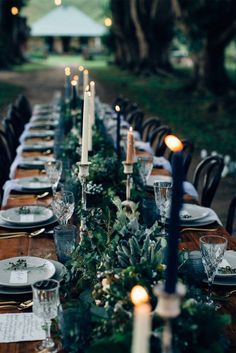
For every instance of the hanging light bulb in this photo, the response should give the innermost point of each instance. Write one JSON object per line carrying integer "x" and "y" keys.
{"x": 14, "y": 10}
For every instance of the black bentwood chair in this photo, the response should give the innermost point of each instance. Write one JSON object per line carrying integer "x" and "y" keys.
{"x": 207, "y": 177}
{"x": 230, "y": 215}
{"x": 157, "y": 140}
{"x": 188, "y": 149}
{"x": 149, "y": 125}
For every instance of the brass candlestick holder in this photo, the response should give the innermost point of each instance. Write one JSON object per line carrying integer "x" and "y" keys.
{"x": 128, "y": 170}
{"x": 168, "y": 308}
{"x": 83, "y": 176}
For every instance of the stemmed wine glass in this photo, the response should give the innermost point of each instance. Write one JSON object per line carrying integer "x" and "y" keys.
{"x": 53, "y": 170}
{"x": 63, "y": 204}
{"x": 212, "y": 250}
{"x": 162, "y": 192}
{"x": 145, "y": 164}
{"x": 46, "y": 301}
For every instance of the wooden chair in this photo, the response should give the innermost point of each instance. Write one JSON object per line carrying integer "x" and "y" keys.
{"x": 147, "y": 127}
{"x": 230, "y": 215}
{"x": 207, "y": 177}
{"x": 188, "y": 149}
{"x": 157, "y": 139}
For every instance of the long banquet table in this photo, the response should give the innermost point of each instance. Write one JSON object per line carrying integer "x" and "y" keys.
{"x": 43, "y": 246}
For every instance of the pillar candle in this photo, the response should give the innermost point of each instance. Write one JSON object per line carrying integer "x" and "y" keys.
{"x": 85, "y": 79}
{"x": 176, "y": 146}
{"x": 142, "y": 320}
{"x": 130, "y": 147}
{"x": 92, "y": 107}
{"x": 84, "y": 153}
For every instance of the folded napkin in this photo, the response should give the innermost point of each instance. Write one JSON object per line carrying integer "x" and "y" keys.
{"x": 8, "y": 187}
{"x": 143, "y": 146}
{"x": 162, "y": 162}
{"x": 190, "y": 190}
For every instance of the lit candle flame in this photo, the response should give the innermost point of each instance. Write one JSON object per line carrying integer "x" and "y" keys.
{"x": 87, "y": 88}
{"x": 139, "y": 295}
{"x": 76, "y": 77}
{"x": 14, "y": 10}
{"x": 131, "y": 129}
{"x": 92, "y": 83}
{"x": 117, "y": 108}
{"x": 81, "y": 68}
{"x": 173, "y": 143}
{"x": 86, "y": 72}
{"x": 73, "y": 82}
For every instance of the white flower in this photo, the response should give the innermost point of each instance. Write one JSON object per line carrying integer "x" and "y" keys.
{"x": 105, "y": 284}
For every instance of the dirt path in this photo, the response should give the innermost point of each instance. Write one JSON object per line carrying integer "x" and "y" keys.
{"x": 39, "y": 87}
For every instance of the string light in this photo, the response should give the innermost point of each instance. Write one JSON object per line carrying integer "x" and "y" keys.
{"x": 108, "y": 22}
{"x": 57, "y": 2}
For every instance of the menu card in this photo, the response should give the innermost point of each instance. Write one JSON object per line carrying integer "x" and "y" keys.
{"x": 21, "y": 327}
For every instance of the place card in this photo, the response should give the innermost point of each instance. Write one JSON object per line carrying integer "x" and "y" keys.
{"x": 21, "y": 327}
{"x": 20, "y": 277}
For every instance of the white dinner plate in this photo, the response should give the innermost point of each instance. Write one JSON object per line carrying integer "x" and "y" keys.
{"x": 21, "y": 226}
{"x": 38, "y": 269}
{"x": 230, "y": 257}
{"x": 191, "y": 212}
{"x": 35, "y": 162}
{"x": 34, "y": 183}
{"x": 26, "y": 215}
{"x": 60, "y": 271}
{"x": 42, "y": 133}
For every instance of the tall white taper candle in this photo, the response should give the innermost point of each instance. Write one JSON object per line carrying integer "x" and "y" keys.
{"x": 92, "y": 90}
{"x": 85, "y": 79}
{"x": 84, "y": 153}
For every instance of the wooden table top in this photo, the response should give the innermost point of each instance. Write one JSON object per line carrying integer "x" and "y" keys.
{"x": 43, "y": 246}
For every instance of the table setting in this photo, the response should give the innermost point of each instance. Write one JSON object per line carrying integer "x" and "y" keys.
{"x": 91, "y": 268}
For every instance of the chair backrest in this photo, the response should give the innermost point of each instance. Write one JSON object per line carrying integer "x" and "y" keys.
{"x": 207, "y": 177}
{"x": 12, "y": 138}
{"x": 230, "y": 215}
{"x": 24, "y": 108}
{"x": 157, "y": 139}
{"x": 136, "y": 120}
{"x": 149, "y": 125}
{"x": 16, "y": 119}
{"x": 188, "y": 149}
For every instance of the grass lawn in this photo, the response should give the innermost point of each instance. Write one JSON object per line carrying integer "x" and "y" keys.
{"x": 185, "y": 113}
{"x": 8, "y": 93}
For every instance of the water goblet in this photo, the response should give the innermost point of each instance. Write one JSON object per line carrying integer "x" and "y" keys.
{"x": 46, "y": 302}
{"x": 162, "y": 192}
{"x": 53, "y": 171}
{"x": 212, "y": 250}
{"x": 63, "y": 204}
{"x": 145, "y": 164}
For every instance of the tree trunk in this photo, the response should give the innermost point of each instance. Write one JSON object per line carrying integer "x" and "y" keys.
{"x": 140, "y": 34}
{"x": 209, "y": 70}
